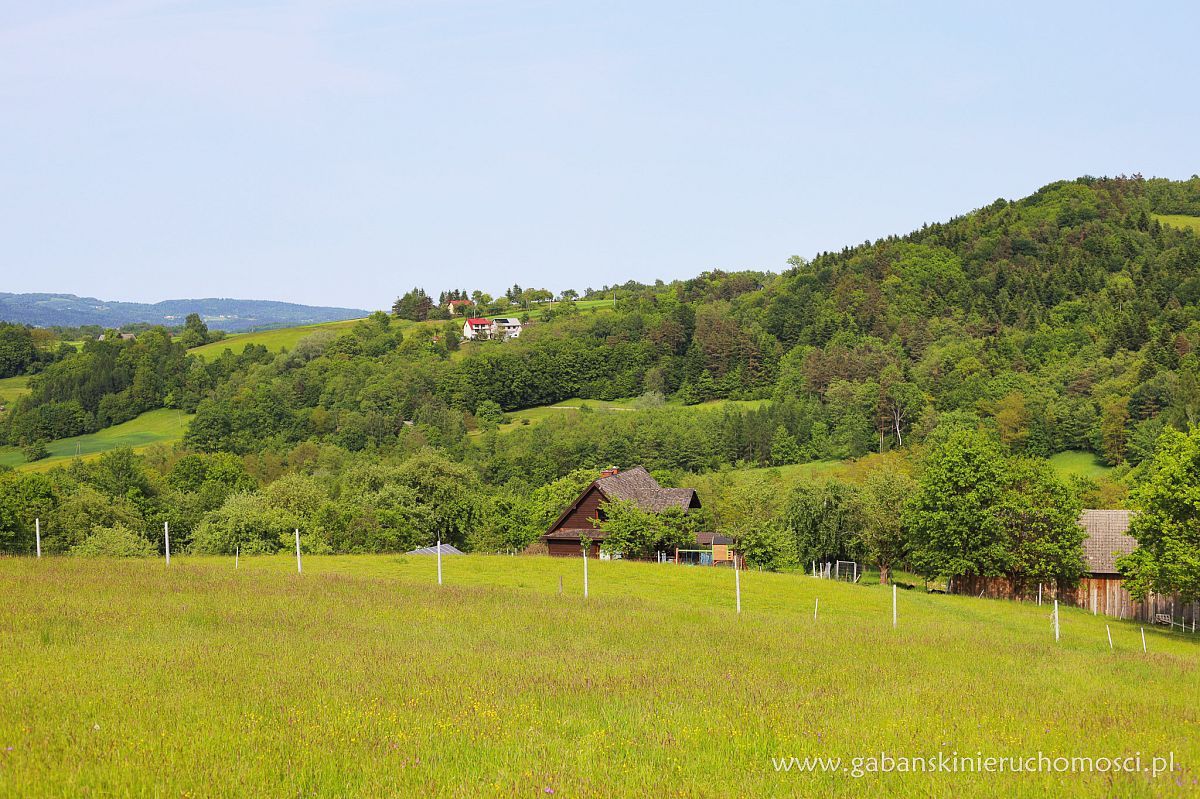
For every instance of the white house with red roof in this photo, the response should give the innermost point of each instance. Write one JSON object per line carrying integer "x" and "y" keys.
{"x": 476, "y": 328}
{"x": 504, "y": 327}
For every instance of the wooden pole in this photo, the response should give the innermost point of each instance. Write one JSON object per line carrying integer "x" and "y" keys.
{"x": 893, "y": 606}
{"x": 1056, "y": 620}
{"x": 560, "y": 585}
{"x": 585, "y": 580}
{"x": 37, "y": 532}
{"x": 299, "y": 568}
{"x": 439, "y": 559}
{"x": 737, "y": 585}
{"x": 816, "y": 607}
{"x": 1039, "y": 595}
{"x": 1143, "y": 639}
{"x": 167, "y": 541}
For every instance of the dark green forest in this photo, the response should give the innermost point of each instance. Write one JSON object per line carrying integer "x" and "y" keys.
{"x": 1067, "y": 320}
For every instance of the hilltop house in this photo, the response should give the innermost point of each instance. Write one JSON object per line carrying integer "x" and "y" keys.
{"x": 500, "y": 328}
{"x": 475, "y": 328}
{"x": 581, "y": 518}
{"x": 454, "y": 306}
{"x": 506, "y": 327}
{"x": 1102, "y": 588}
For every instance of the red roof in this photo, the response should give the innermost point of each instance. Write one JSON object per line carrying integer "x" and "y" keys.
{"x": 460, "y": 302}
{"x": 479, "y": 321}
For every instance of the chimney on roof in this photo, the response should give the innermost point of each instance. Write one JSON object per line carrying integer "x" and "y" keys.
{"x": 610, "y": 471}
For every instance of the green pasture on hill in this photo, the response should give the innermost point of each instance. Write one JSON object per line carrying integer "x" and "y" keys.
{"x": 531, "y": 416}
{"x": 12, "y": 388}
{"x": 1180, "y": 221}
{"x": 275, "y": 340}
{"x": 162, "y": 426}
{"x": 361, "y": 677}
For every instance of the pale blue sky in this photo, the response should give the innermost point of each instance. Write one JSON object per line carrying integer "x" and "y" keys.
{"x": 340, "y": 152}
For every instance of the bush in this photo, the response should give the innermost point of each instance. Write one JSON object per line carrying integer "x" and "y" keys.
{"x": 35, "y": 451}
{"x": 117, "y": 541}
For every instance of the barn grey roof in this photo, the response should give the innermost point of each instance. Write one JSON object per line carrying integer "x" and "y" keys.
{"x": 1107, "y": 539}
{"x": 447, "y": 549}
{"x": 637, "y": 486}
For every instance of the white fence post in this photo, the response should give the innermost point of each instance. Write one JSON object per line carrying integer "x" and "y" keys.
{"x": 1143, "y": 639}
{"x": 1109, "y": 631}
{"x": 1039, "y": 595}
{"x": 167, "y": 541}
{"x": 893, "y": 606}
{"x": 585, "y": 580}
{"x": 737, "y": 585}
{"x": 37, "y": 532}
{"x": 439, "y": 559}
{"x": 299, "y": 568}
{"x": 816, "y": 607}
{"x": 237, "y": 551}
{"x": 1056, "y": 620}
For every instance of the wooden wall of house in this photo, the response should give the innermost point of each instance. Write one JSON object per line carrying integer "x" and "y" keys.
{"x": 570, "y": 549}
{"x": 1106, "y": 591}
{"x": 581, "y": 517}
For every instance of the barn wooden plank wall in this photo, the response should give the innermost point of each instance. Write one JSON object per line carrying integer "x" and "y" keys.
{"x": 1105, "y": 595}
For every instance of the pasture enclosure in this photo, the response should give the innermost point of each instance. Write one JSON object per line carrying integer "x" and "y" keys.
{"x": 362, "y": 677}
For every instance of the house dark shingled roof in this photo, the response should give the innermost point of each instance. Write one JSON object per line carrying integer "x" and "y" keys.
{"x": 637, "y": 486}
{"x": 1107, "y": 539}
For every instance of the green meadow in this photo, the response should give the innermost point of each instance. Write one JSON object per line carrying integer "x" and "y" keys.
{"x": 361, "y": 677}
{"x": 163, "y": 426}
{"x": 1180, "y": 221}
{"x": 12, "y": 388}
{"x": 275, "y": 340}
{"x": 538, "y": 414}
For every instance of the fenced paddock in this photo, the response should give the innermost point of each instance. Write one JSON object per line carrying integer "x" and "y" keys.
{"x": 362, "y": 677}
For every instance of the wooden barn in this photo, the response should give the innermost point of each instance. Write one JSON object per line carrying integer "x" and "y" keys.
{"x": 1102, "y": 589}
{"x": 581, "y": 517}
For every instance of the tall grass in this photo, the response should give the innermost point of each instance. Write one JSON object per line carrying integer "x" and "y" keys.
{"x": 362, "y": 678}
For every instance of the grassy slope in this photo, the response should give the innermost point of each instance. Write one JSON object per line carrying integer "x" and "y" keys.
{"x": 535, "y": 415}
{"x": 13, "y": 387}
{"x": 1178, "y": 220}
{"x": 153, "y": 427}
{"x": 360, "y": 678}
{"x": 1079, "y": 464}
{"x": 274, "y": 340}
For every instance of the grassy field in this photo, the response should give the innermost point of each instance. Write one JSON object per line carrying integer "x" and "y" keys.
{"x": 12, "y": 388}
{"x": 531, "y": 416}
{"x": 362, "y": 678}
{"x": 162, "y": 426}
{"x": 275, "y": 340}
{"x": 1178, "y": 220}
{"x": 1079, "y": 464}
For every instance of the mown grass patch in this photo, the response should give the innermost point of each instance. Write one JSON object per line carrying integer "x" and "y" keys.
{"x": 1180, "y": 221}
{"x": 162, "y": 426}
{"x": 12, "y": 388}
{"x": 1076, "y": 463}
{"x": 526, "y": 417}
{"x": 361, "y": 677}
{"x": 275, "y": 340}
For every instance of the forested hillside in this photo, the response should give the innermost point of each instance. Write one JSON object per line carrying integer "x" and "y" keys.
{"x": 1064, "y": 321}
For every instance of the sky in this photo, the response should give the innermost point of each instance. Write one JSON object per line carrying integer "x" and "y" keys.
{"x": 339, "y": 153}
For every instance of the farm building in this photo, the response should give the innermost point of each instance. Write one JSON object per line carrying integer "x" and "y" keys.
{"x": 476, "y": 327}
{"x": 580, "y": 519}
{"x": 504, "y": 327}
{"x": 1102, "y": 588}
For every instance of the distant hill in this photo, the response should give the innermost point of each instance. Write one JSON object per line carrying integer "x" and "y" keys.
{"x": 43, "y": 310}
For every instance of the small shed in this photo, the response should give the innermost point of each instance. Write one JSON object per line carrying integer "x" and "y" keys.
{"x": 446, "y": 549}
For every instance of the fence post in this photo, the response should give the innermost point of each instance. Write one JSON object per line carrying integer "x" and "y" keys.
{"x": 167, "y": 541}
{"x": 237, "y": 551}
{"x": 585, "y": 580}
{"x": 1109, "y": 631}
{"x": 1039, "y": 595}
{"x": 299, "y": 569}
{"x": 737, "y": 585}
{"x": 37, "y": 532}
{"x": 893, "y": 606}
{"x": 439, "y": 559}
{"x": 1056, "y": 620}
{"x": 1143, "y": 639}
{"x": 816, "y": 607}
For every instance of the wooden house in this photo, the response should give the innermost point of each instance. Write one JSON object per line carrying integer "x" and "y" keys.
{"x": 581, "y": 518}
{"x": 1102, "y": 588}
